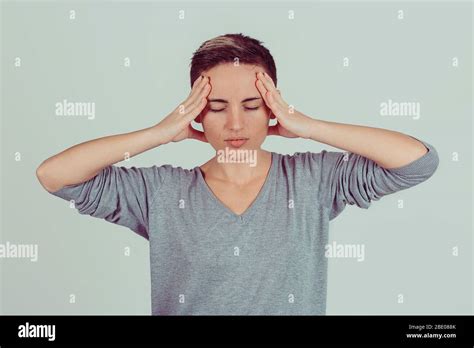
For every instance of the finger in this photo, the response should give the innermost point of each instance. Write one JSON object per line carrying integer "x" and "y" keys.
{"x": 274, "y": 107}
{"x": 267, "y": 96}
{"x": 270, "y": 86}
{"x": 269, "y": 78}
{"x": 197, "y": 89}
{"x": 199, "y": 79}
{"x": 200, "y": 98}
{"x": 195, "y": 93}
{"x": 263, "y": 91}
{"x": 278, "y": 109}
{"x": 272, "y": 100}
{"x": 195, "y": 83}
{"x": 195, "y": 109}
{"x": 268, "y": 83}
{"x": 198, "y": 101}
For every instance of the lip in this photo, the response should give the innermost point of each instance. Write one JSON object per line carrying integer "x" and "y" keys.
{"x": 237, "y": 142}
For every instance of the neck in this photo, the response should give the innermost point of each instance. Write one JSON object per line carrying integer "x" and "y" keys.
{"x": 237, "y": 169}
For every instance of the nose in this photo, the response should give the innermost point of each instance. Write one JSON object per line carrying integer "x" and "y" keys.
{"x": 235, "y": 120}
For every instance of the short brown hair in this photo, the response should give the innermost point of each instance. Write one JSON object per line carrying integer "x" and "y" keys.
{"x": 225, "y": 48}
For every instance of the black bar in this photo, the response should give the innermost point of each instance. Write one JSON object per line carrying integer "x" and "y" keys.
{"x": 291, "y": 330}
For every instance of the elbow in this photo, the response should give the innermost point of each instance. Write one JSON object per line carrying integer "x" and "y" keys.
{"x": 433, "y": 160}
{"x": 430, "y": 165}
{"x": 45, "y": 178}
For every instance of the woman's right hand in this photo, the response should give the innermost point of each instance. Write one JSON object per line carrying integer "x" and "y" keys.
{"x": 177, "y": 125}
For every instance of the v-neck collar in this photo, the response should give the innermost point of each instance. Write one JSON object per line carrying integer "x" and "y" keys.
{"x": 253, "y": 206}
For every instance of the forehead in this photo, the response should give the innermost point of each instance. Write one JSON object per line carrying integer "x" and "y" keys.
{"x": 230, "y": 81}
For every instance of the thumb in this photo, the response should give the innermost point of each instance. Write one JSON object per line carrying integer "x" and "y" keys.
{"x": 273, "y": 130}
{"x": 196, "y": 134}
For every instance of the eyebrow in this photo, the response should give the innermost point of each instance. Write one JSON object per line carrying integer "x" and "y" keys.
{"x": 226, "y": 101}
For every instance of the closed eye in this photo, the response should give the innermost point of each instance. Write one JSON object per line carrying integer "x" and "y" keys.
{"x": 255, "y": 108}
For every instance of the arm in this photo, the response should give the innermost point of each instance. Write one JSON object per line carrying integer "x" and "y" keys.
{"x": 389, "y": 149}
{"x": 84, "y": 174}
{"x": 379, "y": 161}
{"x": 348, "y": 178}
{"x": 84, "y": 161}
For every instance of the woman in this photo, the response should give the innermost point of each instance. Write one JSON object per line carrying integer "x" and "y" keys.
{"x": 237, "y": 237}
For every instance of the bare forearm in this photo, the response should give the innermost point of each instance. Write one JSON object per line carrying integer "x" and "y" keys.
{"x": 82, "y": 162}
{"x": 387, "y": 148}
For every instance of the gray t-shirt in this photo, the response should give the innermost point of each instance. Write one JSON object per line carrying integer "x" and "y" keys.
{"x": 206, "y": 260}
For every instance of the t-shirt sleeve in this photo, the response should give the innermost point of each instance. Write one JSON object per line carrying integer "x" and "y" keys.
{"x": 348, "y": 178}
{"x": 120, "y": 195}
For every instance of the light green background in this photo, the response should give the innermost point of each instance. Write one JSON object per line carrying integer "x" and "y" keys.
{"x": 407, "y": 251}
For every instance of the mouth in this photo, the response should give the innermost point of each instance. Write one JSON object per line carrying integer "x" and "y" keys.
{"x": 236, "y": 142}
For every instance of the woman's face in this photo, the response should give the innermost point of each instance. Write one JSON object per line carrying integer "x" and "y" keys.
{"x": 235, "y": 108}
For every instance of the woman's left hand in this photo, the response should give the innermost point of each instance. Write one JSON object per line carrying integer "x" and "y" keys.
{"x": 290, "y": 123}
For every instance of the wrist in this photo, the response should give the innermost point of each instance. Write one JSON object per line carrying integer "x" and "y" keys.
{"x": 315, "y": 129}
{"x": 155, "y": 135}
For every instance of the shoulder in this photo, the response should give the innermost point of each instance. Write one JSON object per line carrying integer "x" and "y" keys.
{"x": 169, "y": 174}
{"x": 150, "y": 177}
{"x": 308, "y": 158}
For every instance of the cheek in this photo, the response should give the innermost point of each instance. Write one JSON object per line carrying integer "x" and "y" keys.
{"x": 212, "y": 124}
{"x": 261, "y": 117}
